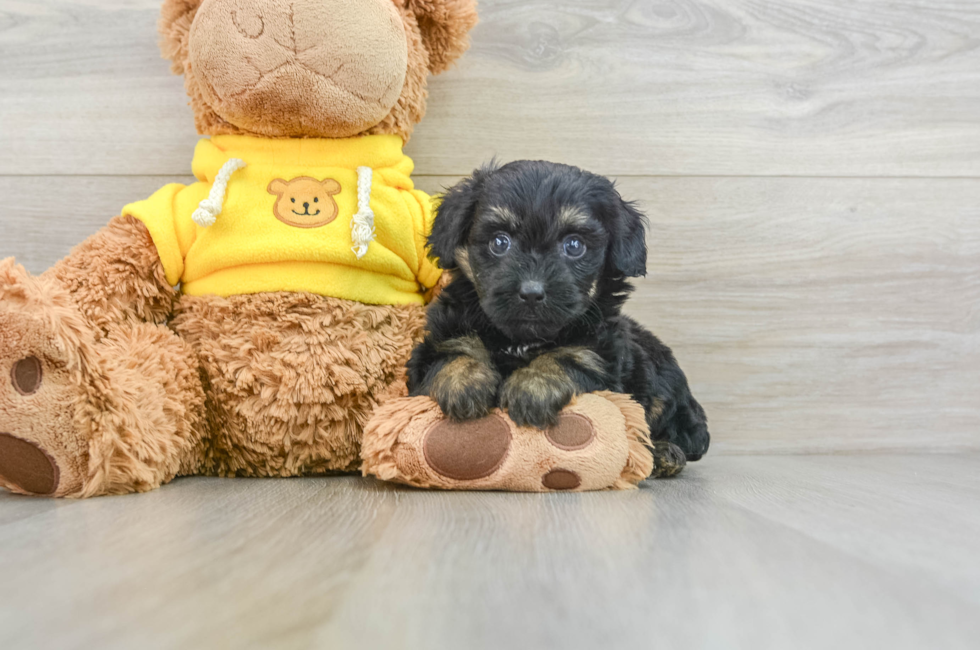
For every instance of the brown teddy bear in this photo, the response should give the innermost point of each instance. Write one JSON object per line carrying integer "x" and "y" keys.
{"x": 299, "y": 255}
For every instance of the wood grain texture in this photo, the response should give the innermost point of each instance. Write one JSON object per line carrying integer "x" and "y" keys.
{"x": 663, "y": 87}
{"x": 737, "y": 552}
{"x": 810, "y": 315}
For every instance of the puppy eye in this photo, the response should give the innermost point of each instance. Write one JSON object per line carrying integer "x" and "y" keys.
{"x": 573, "y": 247}
{"x": 500, "y": 244}
{"x": 316, "y": 200}
{"x": 293, "y": 200}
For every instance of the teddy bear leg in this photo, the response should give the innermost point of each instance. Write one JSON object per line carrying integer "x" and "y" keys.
{"x": 83, "y": 417}
{"x": 293, "y": 377}
{"x": 92, "y": 399}
{"x": 600, "y": 441}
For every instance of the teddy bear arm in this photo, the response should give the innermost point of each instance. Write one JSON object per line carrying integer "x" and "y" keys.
{"x": 116, "y": 276}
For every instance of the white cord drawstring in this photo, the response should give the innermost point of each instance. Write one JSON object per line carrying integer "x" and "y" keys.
{"x": 209, "y": 209}
{"x": 362, "y": 224}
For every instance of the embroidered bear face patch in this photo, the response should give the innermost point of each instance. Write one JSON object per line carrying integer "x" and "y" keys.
{"x": 305, "y": 202}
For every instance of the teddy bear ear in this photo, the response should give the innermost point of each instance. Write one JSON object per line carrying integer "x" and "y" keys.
{"x": 277, "y": 186}
{"x": 176, "y": 17}
{"x": 445, "y": 25}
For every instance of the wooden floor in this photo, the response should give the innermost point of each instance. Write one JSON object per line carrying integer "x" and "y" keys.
{"x": 845, "y": 551}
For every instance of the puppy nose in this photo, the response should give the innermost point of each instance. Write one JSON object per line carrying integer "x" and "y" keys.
{"x": 531, "y": 292}
{"x": 306, "y": 205}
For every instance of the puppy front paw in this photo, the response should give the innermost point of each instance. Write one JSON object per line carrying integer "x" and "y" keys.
{"x": 465, "y": 389}
{"x": 535, "y": 398}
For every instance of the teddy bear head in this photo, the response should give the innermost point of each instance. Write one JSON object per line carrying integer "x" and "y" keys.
{"x": 313, "y": 68}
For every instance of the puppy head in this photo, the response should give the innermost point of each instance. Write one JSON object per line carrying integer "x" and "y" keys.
{"x": 537, "y": 239}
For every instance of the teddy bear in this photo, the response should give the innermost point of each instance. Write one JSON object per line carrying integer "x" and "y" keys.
{"x": 247, "y": 324}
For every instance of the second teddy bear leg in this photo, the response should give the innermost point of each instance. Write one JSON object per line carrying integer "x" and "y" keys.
{"x": 143, "y": 417}
{"x": 293, "y": 377}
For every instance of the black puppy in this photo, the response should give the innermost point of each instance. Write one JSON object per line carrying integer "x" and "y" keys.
{"x": 539, "y": 255}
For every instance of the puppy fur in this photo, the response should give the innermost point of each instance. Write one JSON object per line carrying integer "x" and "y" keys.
{"x": 539, "y": 255}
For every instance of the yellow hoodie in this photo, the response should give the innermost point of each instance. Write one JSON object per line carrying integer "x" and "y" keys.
{"x": 338, "y": 218}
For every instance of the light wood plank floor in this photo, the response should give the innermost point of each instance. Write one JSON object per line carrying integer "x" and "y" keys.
{"x": 845, "y": 551}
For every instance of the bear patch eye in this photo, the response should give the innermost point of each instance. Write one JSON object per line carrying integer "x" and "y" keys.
{"x": 316, "y": 199}
{"x": 573, "y": 247}
{"x": 293, "y": 200}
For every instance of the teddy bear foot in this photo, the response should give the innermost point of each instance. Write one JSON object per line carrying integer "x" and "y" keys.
{"x": 86, "y": 413}
{"x": 599, "y": 443}
{"x": 41, "y": 452}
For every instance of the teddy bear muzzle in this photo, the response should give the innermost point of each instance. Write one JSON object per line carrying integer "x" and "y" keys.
{"x": 327, "y": 68}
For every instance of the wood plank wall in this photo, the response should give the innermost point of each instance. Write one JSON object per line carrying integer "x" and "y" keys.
{"x": 811, "y": 169}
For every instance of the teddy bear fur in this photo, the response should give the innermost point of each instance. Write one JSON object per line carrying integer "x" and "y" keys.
{"x": 137, "y": 383}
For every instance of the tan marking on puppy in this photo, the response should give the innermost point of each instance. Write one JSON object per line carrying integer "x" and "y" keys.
{"x": 571, "y": 216}
{"x": 543, "y": 378}
{"x": 462, "y": 255}
{"x": 536, "y": 393}
{"x": 594, "y": 289}
{"x": 657, "y": 408}
{"x": 458, "y": 375}
{"x": 504, "y": 217}
{"x": 466, "y": 386}
{"x": 471, "y": 346}
{"x": 583, "y": 357}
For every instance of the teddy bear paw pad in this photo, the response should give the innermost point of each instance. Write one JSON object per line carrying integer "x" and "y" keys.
{"x": 572, "y": 432}
{"x": 466, "y": 451}
{"x": 27, "y": 466}
{"x": 561, "y": 479}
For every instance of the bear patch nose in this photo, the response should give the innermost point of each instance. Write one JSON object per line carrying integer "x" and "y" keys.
{"x": 306, "y": 205}
{"x": 27, "y": 466}
{"x": 531, "y": 292}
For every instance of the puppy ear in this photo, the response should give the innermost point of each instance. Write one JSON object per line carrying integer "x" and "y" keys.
{"x": 455, "y": 214}
{"x": 628, "y": 248}
{"x": 445, "y": 25}
{"x": 176, "y": 17}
